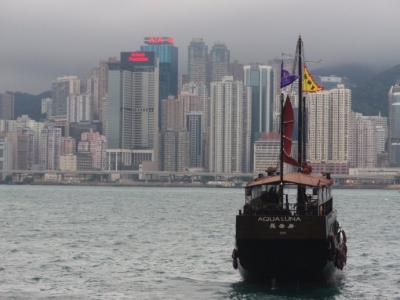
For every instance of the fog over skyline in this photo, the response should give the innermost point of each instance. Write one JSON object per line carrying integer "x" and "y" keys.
{"x": 44, "y": 39}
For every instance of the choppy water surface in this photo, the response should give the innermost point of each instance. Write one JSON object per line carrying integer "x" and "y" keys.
{"x": 171, "y": 243}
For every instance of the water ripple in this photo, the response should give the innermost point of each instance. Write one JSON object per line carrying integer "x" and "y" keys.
{"x": 171, "y": 243}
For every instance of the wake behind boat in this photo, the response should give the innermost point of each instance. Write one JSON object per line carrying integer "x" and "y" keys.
{"x": 285, "y": 233}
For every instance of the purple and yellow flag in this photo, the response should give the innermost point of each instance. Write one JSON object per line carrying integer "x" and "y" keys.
{"x": 286, "y": 77}
{"x": 309, "y": 83}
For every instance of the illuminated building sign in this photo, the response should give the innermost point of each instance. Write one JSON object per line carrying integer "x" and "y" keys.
{"x": 138, "y": 56}
{"x": 158, "y": 40}
{"x": 137, "y": 59}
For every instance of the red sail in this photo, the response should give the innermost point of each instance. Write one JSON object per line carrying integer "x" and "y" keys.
{"x": 288, "y": 125}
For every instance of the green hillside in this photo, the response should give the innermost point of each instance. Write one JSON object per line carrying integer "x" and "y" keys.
{"x": 28, "y": 104}
{"x": 371, "y": 96}
{"x": 369, "y": 89}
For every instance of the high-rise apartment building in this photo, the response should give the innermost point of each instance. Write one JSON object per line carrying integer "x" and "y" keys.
{"x": 200, "y": 90}
{"x": 61, "y": 89}
{"x": 22, "y": 141}
{"x": 95, "y": 144}
{"x": 33, "y": 129}
{"x": 26, "y": 151}
{"x": 50, "y": 148}
{"x": 68, "y": 145}
{"x": 394, "y": 125}
{"x": 328, "y": 114}
{"x": 47, "y": 106}
{"x": 79, "y": 108}
{"x": 5, "y": 157}
{"x": 172, "y": 114}
{"x": 96, "y": 89}
{"x": 219, "y": 60}
{"x": 167, "y": 53}
{"x": 197, "y": 61}
{"x": 179, "y": 115}
{"x": 229, "y": 136}
{"x": 173, "y": 135}
{"x": 194, "y": 128}
{"x": 175, "y": 150}
{"x": 267, "y": 151}
{"x": 23, "y": 136}
{"x": 381, "y": 127}
{"x": 363, "y": 145}
{"x": 236, "y": 70}
{"x": 7, "y": 106}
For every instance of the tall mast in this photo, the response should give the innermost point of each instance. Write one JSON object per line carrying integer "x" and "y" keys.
{"x": 300, "y": 141}
{"x": 281, "y": 150}
{"x": 300, "y": 106}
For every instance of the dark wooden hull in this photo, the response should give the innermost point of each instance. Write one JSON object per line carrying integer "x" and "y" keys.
{"x": 283, "y": 259}
{"x": 283, "y": 247}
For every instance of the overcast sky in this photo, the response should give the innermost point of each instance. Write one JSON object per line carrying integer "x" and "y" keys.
{"x": 43, "y": 39}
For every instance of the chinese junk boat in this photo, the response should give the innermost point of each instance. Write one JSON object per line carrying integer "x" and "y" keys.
{"x": 283, "y": 232}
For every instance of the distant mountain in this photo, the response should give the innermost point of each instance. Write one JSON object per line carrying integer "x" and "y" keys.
{"x": 354, "y": 73}
{"x": 369, "y": 89}
{"x": 28, "y": 104}
{"x": 371, "y": 96}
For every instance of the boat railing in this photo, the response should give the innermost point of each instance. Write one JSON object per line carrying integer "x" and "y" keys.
{"x": 311, "y": 207}
{"x": 288, "y": 209}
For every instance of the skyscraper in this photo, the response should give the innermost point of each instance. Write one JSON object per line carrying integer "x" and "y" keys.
{"x": 112, "y": 108}
{"x": 261, "y": 81}
{"x": 61, "y": 89}
{"x": 227, "y": 126}
{"x": 132, "y": 110}
{"x": 197, "y": 60}
{"x": 194, "y": 128}
{"x": 174, "y": 137}
{"x": 96, "y": 89}
{"x": 7, "y": 106}
{"x": 219, "y": 62}
{"x": 139, "y": 100}
{"x": 394, "y": 125}
{"x": 167, "y": 53}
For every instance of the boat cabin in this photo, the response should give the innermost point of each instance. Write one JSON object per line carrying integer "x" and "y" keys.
{"x": 263, "y": 196}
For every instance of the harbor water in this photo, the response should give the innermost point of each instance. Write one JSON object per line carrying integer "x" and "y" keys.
{"x": 67, "y": 242}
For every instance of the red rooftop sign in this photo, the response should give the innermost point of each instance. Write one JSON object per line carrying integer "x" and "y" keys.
{"x": 138, "y": 56}
{"x": 158, "y": 40}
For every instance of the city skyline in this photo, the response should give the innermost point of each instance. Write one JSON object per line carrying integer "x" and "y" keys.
{"x": 75, "y": 46}
{"x": 212, "y": 125}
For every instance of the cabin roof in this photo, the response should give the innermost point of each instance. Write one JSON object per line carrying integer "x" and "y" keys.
{"x": 293, "y": 178}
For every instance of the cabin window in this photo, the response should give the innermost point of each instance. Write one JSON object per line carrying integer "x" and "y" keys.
{"x": 264, "y": 195}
